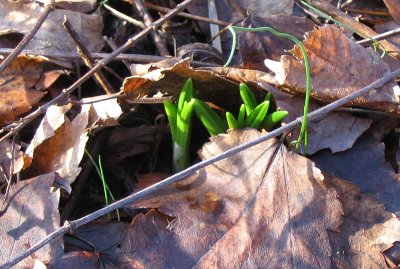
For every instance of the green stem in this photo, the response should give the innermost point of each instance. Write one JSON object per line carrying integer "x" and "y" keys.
{"x": 303, "y": 130}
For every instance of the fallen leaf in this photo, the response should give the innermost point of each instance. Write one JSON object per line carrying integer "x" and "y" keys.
{"x": 263, "y": 8}
{"x": 30, "y": 213}
{"x": 58, "y": 144}
{"x": 83, "y": 6}
{"x": 111, "y": 240}
{"x": 238, "y": 212}
{"x": 339, "y": 67}
{"x": 125, "y": 142}
{"x": 367, "y": 229}
{"x": 17, "y": 93}
{"x": 21, "y": 17}
{"x": 394, "y": 9}
{"x": 103, "y": 235}
{"x": 12, "y": 163}
{"x": 102, "y": 113}
{"x": 261, "y": 208}
{"x": 170, "y": 80}
{"x": 365, "y": 166}
{"x": 254, "y": 48}
{"x": 337, "y": 131}
{"x": 48, "y": 78}
{"x": 200, "y": 52}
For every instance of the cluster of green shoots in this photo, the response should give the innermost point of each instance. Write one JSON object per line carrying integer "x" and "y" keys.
{"x": 251, "y": 114}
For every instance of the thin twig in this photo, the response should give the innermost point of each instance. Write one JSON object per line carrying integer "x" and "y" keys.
{"x": 186, "y": 15}
{"x": 66, "y": 92}
{"x": 140, "y": 58}
{"x": 366, "y": 11}
{"x": 7, "y": 61}
{"x": 321, "y": 112}
{"x": 162, "y": 49}
{"x": 385, "y": 35}
{"x": 113, "y": 46}
{"x": 87, "y": 57}
{"x": 124, "y": 17}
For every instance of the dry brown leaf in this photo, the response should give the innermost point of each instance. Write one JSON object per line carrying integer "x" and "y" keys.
{"x": 337, "y": 131}
{"x": 104, "y": 113}
{"x": 48, "y": 78}
{"x": 365, "y": 166}
{"x": 236, "y": 213}
{"x": 264, "y": 8}
{"x": 240, "y": 213}
{"x": 124, "y": 142}
{"x": 30, "y": 213}
{"x": 8, "y": 164}
{"x": 20, "y": 16}
{"x": 111, "y": 240}
{"x": 58, "y": 144}
{"x": 366, "y": 231}
{"x": 17, "y": 82}
{"x": 394, "y": 9}
{"x": 170, "y": 80}
{"x": 339, "y": 67}
{"x": 83, "y": 6}
{"x": 254, "y": 48}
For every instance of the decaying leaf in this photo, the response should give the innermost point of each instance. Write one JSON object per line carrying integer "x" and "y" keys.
{"x": 365, "y": 166}
{"x": 21, "y": 16}
{"x": 102, "y": 113}
{"x": 111, "y": 241}
{"x": 337, "y": 131}
{"x": 263, "y": 8}
{"x": 394, "y": 8}
{"x": 241, "y": 212}
{"x": 30, "y": 213}
{"x": 58, "y": 144}
{"x": 339, "y": 67}
{"x": 170, "y": 79}
{"x": 367, "y": 229}
{"x": 11, "y": 162}
{"x": 17, "y": 87}
{"x": 83, "y": 6}
{"x": 124, "y": 142}
{"x": 262, "y": 208}
{"x": 254, "y": 47}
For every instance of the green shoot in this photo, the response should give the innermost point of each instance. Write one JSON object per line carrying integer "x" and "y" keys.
{"x": 180, "y": 121}
{"x": 303, "y": 136}
{"x": 104, "y": 183}
{"x": 106, "y": 189}
{"x": 248, "y": 98}
{"x": 251, "y": 114}
{"x": 273, "y": 118}
{"x": 210, "y": 119}
{"x": 256, "y": 114}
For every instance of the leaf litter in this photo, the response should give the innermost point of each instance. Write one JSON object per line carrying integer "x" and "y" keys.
{"x": 264, "y": 207}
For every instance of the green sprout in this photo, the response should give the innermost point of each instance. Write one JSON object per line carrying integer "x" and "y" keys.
{"x": 303, "y": 135}
{"x": 251, "y": 114}
{"x": 180, "y": 121}
{"x": 106, "y": 189}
